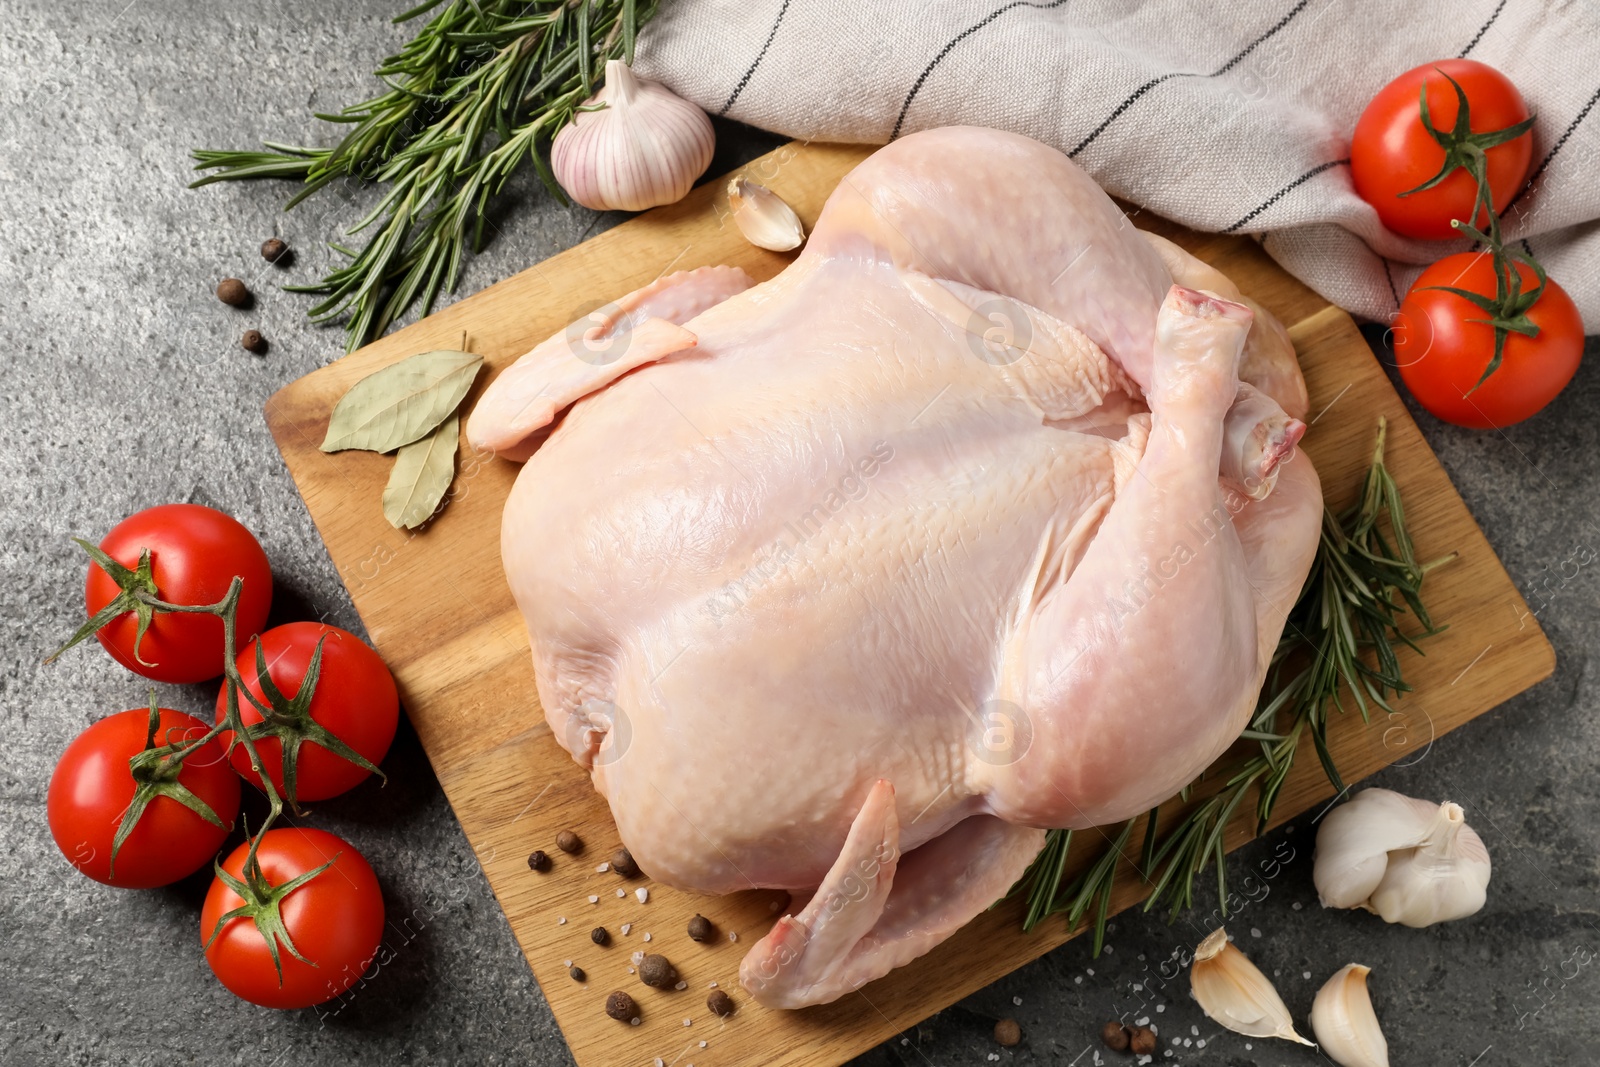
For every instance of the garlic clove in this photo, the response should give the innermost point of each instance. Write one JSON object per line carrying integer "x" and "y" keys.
{"x": 763, "y": 217}
{"x": 1344, "y": 1022}
{"x": 1234, "y": 992}
{"x": 645, "y": 147}
{"x": 1444, "y": 878}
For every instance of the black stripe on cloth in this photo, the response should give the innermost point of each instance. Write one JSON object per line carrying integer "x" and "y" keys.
{"x": 1501, "y": 6}
{"x": 1533, "y": 178}
{"x": 916, "y": 86}
{"x": 1387, "y": 273}
{"x": 737, "y": 89}
{"x": 1279, "y": 195}
{"x": 1153, "y": 82}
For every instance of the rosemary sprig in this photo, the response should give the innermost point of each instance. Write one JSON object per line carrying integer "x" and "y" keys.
{"x": 1342, "y": 634}
{"x": 483, "y": 87}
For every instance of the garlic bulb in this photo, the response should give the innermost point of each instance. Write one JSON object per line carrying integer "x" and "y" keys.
{"x": 1406, "y": 860}
{"x": 1234, "y": 992}
{"x": 1344, "y": 1022}
{"x": 762, "y": 216}
{"x": 644, "y": 148}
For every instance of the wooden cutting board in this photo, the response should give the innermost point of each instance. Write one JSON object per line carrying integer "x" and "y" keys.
{"x": 437, "y": 606}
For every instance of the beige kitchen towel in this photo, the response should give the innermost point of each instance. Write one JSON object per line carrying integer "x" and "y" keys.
{"x": 1232, "y": 117}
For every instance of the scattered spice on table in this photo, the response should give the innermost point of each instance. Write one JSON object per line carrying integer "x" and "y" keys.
{"x": 277, "y": 252}
{"x": 1007, "y": 1032}
{"x": 622, "y": 1007}
{"x": 253, "y": 342}
{"x": 1142, "y": 1041}
{"x": 538, "y": 860}
{"x": 600, "y": 935}
{"x": 720, "y": 1003}
{"x": 569, "y": 842}
{"x": 576, "y": 974}
{"x": 700, "y": 929}
{"x": 1116, "y": 1036}
{"x": 656, "y": 971}
{"x": 624, "y": 865}
{"x": 233, "y": 292}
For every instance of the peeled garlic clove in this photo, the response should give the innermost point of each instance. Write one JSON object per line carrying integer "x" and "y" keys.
{"x": 644, "y": 148}
{"x": 1234, "y": 992}
{"x": 1446, "y": 877}
{"x": 762, "y": 216}
{"x": 1344, "y": 1022}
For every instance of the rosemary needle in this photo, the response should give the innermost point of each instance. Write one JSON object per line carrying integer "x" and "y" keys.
{"x": 1342, "y": 635}
{"x": 482, "y": 88}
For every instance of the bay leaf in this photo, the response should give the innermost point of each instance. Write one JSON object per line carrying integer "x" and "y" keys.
{"x": 401, "y": 403}
{"x": 421, "y": 476}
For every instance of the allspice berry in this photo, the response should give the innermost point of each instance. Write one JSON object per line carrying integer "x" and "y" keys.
{"x": 253, "y": 342}
{"x": 1007, "y": 1032}
{"x": 623, "y": 864}
{"x": 657, "y": 971}
{"x": 538, "y": 860}
{"x": 576, "y": 974}
{"x": 1142, "y": 1042}
{"x": 569, "y": 842}
{"x": 622, "y": 1007}
{"x": 1116, "y": 1036}
{"x": 700, "y": 929}
{"x": 275, "y": 251}
{"x": 232, "y": 291}
{"x": 600, "y": 935}
{"x": 720, "y": 1003}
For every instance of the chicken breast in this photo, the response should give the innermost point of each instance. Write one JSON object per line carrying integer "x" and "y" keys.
{"x": 981, "y": 518}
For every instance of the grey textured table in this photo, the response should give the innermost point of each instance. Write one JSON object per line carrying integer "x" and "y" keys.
{"x": 125, "y": 386}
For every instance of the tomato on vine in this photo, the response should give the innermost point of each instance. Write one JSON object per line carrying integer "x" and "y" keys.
{"x": 183, "y": 554}
{"x": 128, "y": 814}
{"x": 1450, "y": 358}
{"x": 1418, "y": 147}
{"x": 334, "y": 709}
{"x": 293, "y": 920}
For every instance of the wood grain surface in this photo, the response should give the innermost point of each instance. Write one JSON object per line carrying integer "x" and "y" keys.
{"x": 436, "y": 604}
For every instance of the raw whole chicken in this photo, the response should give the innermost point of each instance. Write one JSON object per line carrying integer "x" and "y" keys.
{"x": 981, "y": 518}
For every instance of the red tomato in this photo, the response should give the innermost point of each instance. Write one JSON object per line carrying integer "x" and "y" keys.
{"x": 92, "y": 786}
{"x": 355, "y": 700}
{"x": 335, "y": 920}
{"x": 1441, "y": 354}
{"x": 195, "y": 552}
{"x": 1390, "y": 152}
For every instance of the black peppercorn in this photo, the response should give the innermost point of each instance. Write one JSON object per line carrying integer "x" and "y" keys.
{"x": 600, "y": 936}
{"x": 538, "y": 861}
{"x": 276, "y": 251}
{"x": 576, "y": 974}
{"x": 700, "y": 929}
{"x": 1007, "y": 1032}
{"x": 567, "y": 841}
{"x": 623, "y": 864}
{"x": 720, "y": 1003}
{"x": 252, "y": 341}
{"x": 232, "y": 291}
{"x": 657, "y": 971}
{"x": 622, "y": 1007}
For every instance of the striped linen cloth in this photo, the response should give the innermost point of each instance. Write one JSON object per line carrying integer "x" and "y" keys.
{"x": 1230, "y": 117}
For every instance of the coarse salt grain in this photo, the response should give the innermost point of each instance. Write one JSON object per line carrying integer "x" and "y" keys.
{"x": 566, "y": 963}
{"x": 642, "y": 893}
{"x": 1145, "y": 1021}
{"x": 1195, "y": 1030}
{"x": 1160, "y": 1008}
{"x": 637, "y": 958}
{"x": 733, "y": 935}
{"x": 603, "y": 868}
{"x": 647, "y": 935}
{"x": 622, "y": 893}
{"x": 594, "y": 900}
{"x": 1077, "y": 979}
{"x": 1017, "y": 1001}
{"x": 660, "y": 1062}
{"x": 626, "y": 929}
{"x": 561, "y": 921}
{"x": 713, "y": 985}
{"x": 681, "y": 985}
{"x": 633, "y": 1021}
{"x": 1306, "y": 975}
{"x": 688, "y": 1022}
{"x": 702, "y": 1044}
{"x": 1200, "y": 1043}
